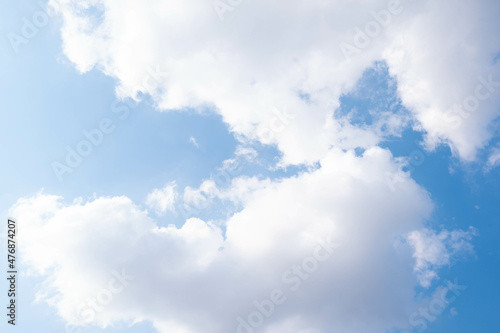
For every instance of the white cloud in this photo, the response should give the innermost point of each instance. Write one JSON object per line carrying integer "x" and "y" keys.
{"x": 493, "y": 159}
{"x": 199, "y": 279}
{"x": 239, "y": 191}
{"x": 242, "y": 156}
{"x": 443, "y": 59}
{"x": 274, "y": 71}
{"x": 433, "y": 250}
{"x": 279, "y": 81}
{"x": 162, "y": 200}
{"x": 104, "y": 235}
{"x": 200, "y": 197}
{"x": 194, "y": 142}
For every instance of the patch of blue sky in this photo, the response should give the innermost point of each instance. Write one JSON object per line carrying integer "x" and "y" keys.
{"x": 94, "y": 12}
{"x": 374, "y": 93}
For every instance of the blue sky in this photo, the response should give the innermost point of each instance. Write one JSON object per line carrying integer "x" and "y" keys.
{"x": 199, "y": 141}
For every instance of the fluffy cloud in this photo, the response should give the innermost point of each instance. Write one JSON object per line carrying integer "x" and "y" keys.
{"x": 162, "y": 200}
{"x": 80, "y": 247}
{"x": 448, "y": 75}
{"x": 493, "y": 159}
{"x": 239, "y": 191}
{"x": 275, "y": 71}
{"x": 433, "y": 250}
{"x": 203, "y": 278}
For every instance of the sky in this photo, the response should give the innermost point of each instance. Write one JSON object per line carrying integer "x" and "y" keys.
{"x": 234, "y": 166}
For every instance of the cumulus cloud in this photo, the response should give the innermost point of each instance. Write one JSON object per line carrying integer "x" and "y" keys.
{"x": 444, "y": 61}
{"x": 204, "y": 278}
{"x": 162, "y": 200}
{"x": 200, "y": 197}
{"x": 102, "y": 238}
{"x": 275, "y": 71}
